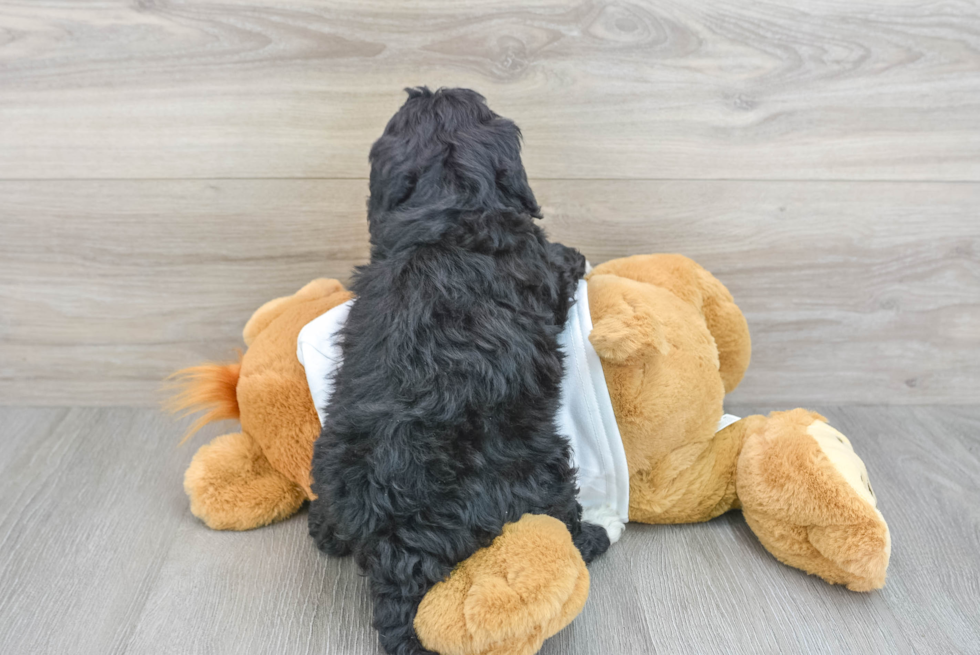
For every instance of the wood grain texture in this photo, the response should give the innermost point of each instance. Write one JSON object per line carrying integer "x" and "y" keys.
{"x": 99, "y": 554}
{"x": 107, "y": 286}
{"x": 89, "y": 507}
{"x": 777, "y": 90}
{"x": 168, "y": 165}
{"x": 855, "y": 292}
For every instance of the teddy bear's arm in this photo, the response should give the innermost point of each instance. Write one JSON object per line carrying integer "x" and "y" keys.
{"x": 629, "y": 324}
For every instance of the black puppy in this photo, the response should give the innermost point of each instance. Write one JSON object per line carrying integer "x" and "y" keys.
{"x": 441, "y": 426}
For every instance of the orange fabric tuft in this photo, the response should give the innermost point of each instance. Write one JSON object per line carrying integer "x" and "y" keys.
{"x": 210, "y": 388}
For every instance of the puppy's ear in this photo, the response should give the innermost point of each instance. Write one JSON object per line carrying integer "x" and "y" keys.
{"x": 396, "y": 158}
{"x": 394, "y": 174}
{"x": 512, "y": 182}
{"x": 511, "y": 178}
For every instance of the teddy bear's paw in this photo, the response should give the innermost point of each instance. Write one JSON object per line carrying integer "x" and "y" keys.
{"x": 232, "y": 486}
{"x": 861, "y": 551}
{"x": 806, "y": 495}
{"x": 508, "y": 598}
{"x": 629, "y": 326}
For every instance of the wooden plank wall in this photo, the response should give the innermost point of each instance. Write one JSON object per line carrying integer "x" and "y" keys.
{"x": 166, "y": 167}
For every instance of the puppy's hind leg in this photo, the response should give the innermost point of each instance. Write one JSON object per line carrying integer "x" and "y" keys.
{"x": 591, "y": 540}
{"x": 323, "y": 529}
{"x": 399, "y": 580}
{"x": 323, "y": 524}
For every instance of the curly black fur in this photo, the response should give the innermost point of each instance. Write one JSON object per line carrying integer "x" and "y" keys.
{"x": 441, "y": 425}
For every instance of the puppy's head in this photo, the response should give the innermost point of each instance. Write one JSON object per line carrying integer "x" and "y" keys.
{"x": 448, "y": 149}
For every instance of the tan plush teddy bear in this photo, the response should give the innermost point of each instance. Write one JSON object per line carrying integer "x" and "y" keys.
{"x": 670, "y": 343}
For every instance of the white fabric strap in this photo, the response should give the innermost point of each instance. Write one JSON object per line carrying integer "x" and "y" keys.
{"x": 587, "y": 419}
{"x": 726, "y": 420}
{"x": 318, "y": 350}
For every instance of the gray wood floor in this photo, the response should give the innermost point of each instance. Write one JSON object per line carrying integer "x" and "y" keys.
{"x": 99, "y": 554}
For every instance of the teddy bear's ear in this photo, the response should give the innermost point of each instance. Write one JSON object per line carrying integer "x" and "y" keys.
{"x": 264, "y": 315}
{"x": 629, "y": 328}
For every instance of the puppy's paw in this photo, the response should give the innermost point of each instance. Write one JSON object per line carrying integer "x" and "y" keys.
{"x": 509, "y": 597}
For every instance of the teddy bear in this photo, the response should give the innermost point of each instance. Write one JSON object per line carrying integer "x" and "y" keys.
{"x": 666, "y": 342}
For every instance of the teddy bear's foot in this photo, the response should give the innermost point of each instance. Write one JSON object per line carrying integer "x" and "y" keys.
{"x": 806, "y": 495}
{"x": 508, "y": 598}
{"x": 232, "y": 486}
